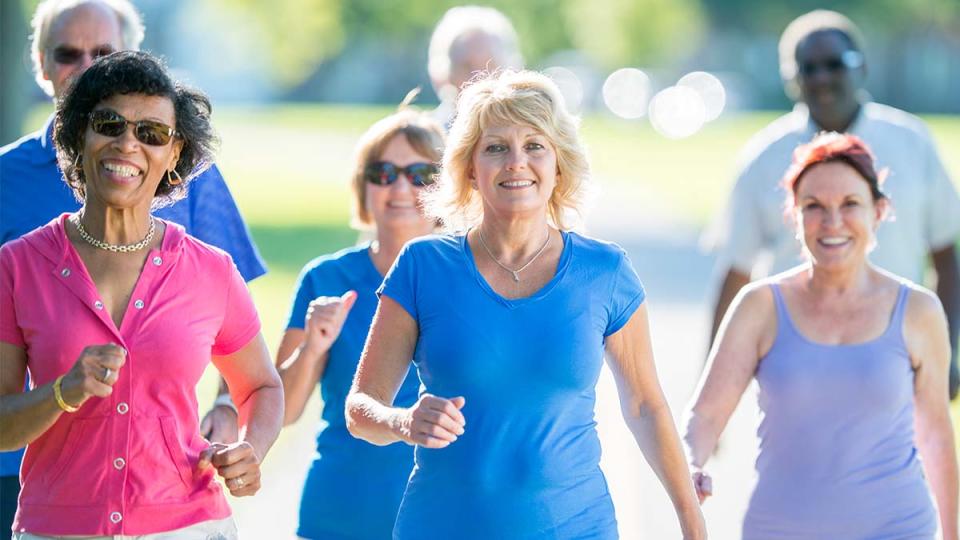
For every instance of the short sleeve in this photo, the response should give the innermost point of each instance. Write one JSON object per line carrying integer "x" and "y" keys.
{"x": 215, "y": 219}
{"x": 302, "y": 296}
{"x": 240, "y": 320}
{"x": 738, "y": 236}
{"x": 942, "y": 212}
{"x": 400, "y": 282}
{"x": 626, "y": 295}
{"x": 9, "y": 330}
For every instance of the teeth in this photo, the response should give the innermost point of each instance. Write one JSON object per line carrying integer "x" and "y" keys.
{"x": 398, "y": 204}
{"x": 122, "y": 170}
{"x": 833, "y": 240}
{"x": 517, "y": 183}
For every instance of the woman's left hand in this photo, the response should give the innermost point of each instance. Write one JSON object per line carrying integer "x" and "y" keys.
{"x": 236, "y": 463}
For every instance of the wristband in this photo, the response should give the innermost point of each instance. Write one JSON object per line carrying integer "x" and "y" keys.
{"x": 224, "y": 400}
{"x": 58, "y": 395}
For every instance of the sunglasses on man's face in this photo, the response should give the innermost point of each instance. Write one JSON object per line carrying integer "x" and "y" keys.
{"x": 384, "y": 173}
{"x": 846, "y": 61}
{"x": 110, "y": 124}
{"x": 67, "y": 55}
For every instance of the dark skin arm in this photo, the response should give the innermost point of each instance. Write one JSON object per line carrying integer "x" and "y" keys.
{"x": 732, "y": 283}
{"x": 948, "y": 290}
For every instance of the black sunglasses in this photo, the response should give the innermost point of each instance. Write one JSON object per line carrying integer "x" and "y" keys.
{"x": 848, "y": 60}
{"x": 110, "y": 124}
{"x": 67, "y": 55}
{"x": 384, "y": 173}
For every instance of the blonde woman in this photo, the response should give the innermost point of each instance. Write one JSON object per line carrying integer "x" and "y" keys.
{"x": 507, "y": 324}
{"x": 353, "y": 489}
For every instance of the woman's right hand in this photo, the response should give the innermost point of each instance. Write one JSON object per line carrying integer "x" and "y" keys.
{"x": 433, "y": 422}
{"x": 703, "y": 484}
{"x": 93, "y": 374}
{"x": 324, "y": 320}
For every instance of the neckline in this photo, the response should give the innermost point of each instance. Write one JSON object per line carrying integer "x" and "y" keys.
{"x": 891, "y": 321}
{"x": 368, "y": 258}
{"x": 511, "y": 303}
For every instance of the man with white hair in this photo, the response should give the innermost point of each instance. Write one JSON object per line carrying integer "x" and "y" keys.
{"x": 468, "y": 40}
{"x": 68, "y": 35}
{"x": 823, "y": 68}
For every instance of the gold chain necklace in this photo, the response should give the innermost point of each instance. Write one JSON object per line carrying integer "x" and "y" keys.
{"x": 515, "y": 273}
{"x": 116, "y": 248}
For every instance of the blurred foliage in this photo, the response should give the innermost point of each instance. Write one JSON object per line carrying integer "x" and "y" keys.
{"x": 300, "y": 33}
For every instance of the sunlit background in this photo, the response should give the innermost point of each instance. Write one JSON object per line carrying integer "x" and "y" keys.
{"x": 669, "y": 92}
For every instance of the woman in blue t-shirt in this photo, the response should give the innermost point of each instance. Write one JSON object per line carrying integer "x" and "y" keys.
{"x": 507, "y": 324}
{"x": 353, "y": 489}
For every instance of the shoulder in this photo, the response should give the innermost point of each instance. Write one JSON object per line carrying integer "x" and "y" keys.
{"x": 20, "y": 148}
{"x": 348, "y": 257}
{"x": 600, "y": 252}
{"x": 46, "y": 240}
{"x": 202, "y": 253}
{"x": 923, "y": 309}
{"x": 433, "y": 246}
{"x": 775, "y": 143}
{"x": 895, "y": 121}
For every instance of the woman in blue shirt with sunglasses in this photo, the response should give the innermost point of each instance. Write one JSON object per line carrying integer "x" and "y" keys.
{"x": 353, "y": 488}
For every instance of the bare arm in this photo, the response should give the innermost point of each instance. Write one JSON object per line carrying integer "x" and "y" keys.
{"x": 948, "y": 290}
{"x": 433, "y": 422}
{"x": 303, "y": 354}
{"x": 645, "y": 410}
{"x": 24, "y": 416}
{"x": 744, "y": 336}
{"x": 926, "y": 334}
{"x": 732, "y": 283}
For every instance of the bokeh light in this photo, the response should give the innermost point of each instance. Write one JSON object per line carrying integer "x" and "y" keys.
{"x": 626, "y": 92}
{"x": 711, "y": 91}
{"x": 677, "y": 112}
{"x": 570, "y": 86}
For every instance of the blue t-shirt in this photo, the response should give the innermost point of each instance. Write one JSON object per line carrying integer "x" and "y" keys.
{"x": 353, "y": 488}
{"x": 528, "y": 465}
{"x": 32, "y": 192}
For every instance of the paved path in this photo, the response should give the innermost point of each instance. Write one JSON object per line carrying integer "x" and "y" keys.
{"x": 677, "y": 279}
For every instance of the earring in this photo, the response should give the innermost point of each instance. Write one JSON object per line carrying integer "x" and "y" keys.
{"x": 171, "y": 181}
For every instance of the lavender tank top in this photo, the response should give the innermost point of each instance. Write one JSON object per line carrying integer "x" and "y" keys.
{"x": 837, "y": 457}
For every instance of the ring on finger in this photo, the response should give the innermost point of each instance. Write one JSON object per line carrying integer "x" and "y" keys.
{"x": 106, "y": 374}
{"x": 239, "y": 482}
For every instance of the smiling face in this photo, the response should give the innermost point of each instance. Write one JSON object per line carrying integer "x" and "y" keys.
{"x": 514, "y": 168}
{"x": 837, "y": 215}
{"x": 123, "y": 172}
{"x": 397, "y": 205}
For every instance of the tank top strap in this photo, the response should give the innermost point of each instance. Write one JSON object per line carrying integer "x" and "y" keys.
{"x": 896, "y": 320}
{"x": 784, "y": 324}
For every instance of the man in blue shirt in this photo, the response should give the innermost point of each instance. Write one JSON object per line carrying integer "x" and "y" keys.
{"x": 67, "y": 38}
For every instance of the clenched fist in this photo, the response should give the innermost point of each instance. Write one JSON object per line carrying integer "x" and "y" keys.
{"x": 324, "y": 320}
{"x": 93, "y": 374}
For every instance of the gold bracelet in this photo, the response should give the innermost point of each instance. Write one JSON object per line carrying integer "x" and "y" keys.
{"x": 58, "y": 395}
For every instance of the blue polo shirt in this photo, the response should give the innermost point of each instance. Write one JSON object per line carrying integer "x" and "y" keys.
{"x": 32, "y": 192}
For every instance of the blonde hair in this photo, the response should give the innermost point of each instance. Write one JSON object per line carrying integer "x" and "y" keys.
{"x": 423, "y": 133}
{"x": 510, "y": 97}
{"x": 131, "y": 29}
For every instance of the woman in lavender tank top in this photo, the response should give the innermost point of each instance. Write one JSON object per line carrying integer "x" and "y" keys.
{"x": 852, "y": 364}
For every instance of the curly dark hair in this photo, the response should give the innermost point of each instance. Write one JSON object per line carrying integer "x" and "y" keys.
{"x": 134, "y": 72}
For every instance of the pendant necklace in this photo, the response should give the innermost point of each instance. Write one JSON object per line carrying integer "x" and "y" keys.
{"x": 514, "y": 273}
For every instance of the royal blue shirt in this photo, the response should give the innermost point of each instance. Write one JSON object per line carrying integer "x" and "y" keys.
{"x": 353, "y": 488}
{"x": 528, "y": 464}
{"x": 33, "y": 191}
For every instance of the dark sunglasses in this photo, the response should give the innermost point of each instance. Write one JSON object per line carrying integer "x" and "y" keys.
{"x": 847, "y": 60}
{"x": 384, "y": 173}
{"x": 110, "y": 124}
{"x": 67, "y": 55}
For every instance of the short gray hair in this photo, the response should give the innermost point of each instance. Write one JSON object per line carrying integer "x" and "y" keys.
{"x": 462, "y": 20}
{"x": 131, "y": 29}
